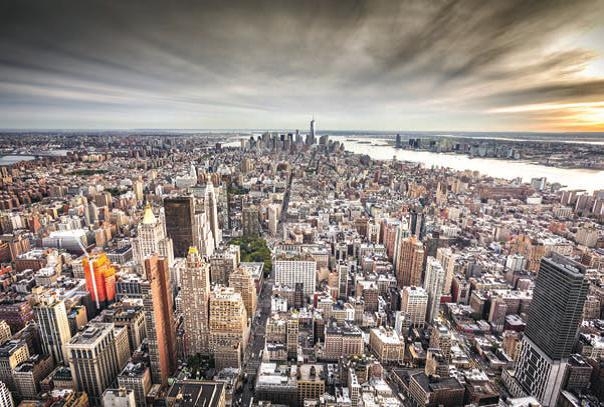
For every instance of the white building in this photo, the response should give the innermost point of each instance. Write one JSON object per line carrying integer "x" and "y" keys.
{"x": 290, "y": 272}
{"x": 414, "y": 302}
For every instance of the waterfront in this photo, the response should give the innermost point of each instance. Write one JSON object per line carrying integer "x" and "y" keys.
{"x": 12, "y": 159}
{"x": 572, "y": 178}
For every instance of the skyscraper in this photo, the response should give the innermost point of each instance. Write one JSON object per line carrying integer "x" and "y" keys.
{"x": 151, "y": 238}
{"x": 51, "y": 317}
{"x": 159, "y": 315}
{"x": 103, "y": 281}
{"x": 243, "y": 283}
{"x": 195, "y": 291}
{"x": 552, "y": 327}
{"x": 411, "y": 259}
{"x": 93, "y": 360}
{"x": 433, "y": 284}
{"x": 228, "y": 319}
{"x": 180, "y": 223}
{"x": 211, "y": 208}
{"x": 414, "y": 302}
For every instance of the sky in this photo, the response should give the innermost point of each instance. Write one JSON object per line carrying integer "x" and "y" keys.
{"x": 513, "y": 65}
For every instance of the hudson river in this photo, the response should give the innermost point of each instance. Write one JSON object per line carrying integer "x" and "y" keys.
{"x": 572, "y": 178}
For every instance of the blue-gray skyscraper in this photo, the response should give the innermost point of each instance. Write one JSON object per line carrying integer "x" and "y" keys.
{"x": 551, "y": 331}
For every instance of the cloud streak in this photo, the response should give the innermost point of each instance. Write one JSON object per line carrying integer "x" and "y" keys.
{"x": 356, "y": 64}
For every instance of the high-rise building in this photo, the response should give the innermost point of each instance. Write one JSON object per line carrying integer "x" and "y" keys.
{"x": 433, "y": 284}
{"x": 12, "y": 353}
{"x": 250, "y": 221}
{"x": 274, "y": 212}
{"x": 51, "y": 316}
{"x": 93, "y": 360}
{"x": 414, "y": 302}
{"x": 152, "y": 238}
{"x": 4, "y": 332}
{"x": 101, "y": 286}
{"x": 552, "y": 327}
{"x": 228, "y": 320}
{"x": 6, "y": 399}
{"x": 243, "y": 283}
{"x": 410, "y": 262}
{"x": 195, "y": 292}
{"x": 440, "y": 338}
{"x": 447, "y": 258}
{"x": 159, "y": 316}
{"x": 211, "y": 208}
{"x": 180, "y": 223}
{"x": 289, "y": 272}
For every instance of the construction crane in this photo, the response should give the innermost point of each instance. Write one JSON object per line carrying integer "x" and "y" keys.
{"x": 92, "y": 277}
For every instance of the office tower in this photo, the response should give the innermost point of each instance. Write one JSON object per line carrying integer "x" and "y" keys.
{"x": 139, "y": 188}
{"x": 311, "y": 137}
{"x": 93, "y": 360}
{"x": 51, "y": 316}
{"x": 387, "y": 345}
{"x": 409, "y": 266}
{"x": 433, "y": 284}
{"x": 119, "y": 398}
{"x": 414, "y": 302}
{"x": 448, "y": 259}
{"x": 6, "y": 399}
{"x": 552, "y": 327}
{"x": 101, "y": 286}
{"x": 4, "y": 332}
{"x": 151, "y": 238}
{"x": 243, "y": 283}
{"x": 250, "y": 220}
{"x": 161, "y": 331}
{"x": 28, "y": 375}
{"x": 12, "y": 353}
{"x": 211, "y": 208}
{"x": 180, "y": 223}
{"x": 440, "y": 338}
{"x": 222, "y": 264}
{"x": 292, "y": 333}
{"x": 274, "y": 211}
{"x": 195, "y": 292}
{"x": 136, "y": 377}
{"x": 290, "y": 272}
{"x": 228, "y": 319}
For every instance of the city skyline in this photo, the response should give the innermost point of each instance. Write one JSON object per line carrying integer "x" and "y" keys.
{"x": 456, "y": 66}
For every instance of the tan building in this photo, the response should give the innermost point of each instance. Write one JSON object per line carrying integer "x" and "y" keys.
{"x": 228, "y": 320}
{"x": 136, "y": 377}
{"x": 93, "y": 360}
{"x": 243, "y": 283}
{"x": 410, "y": 262}
{"x": 440, "y": 338}
{"x": 5, "y": 334}
{"x": 195, "y": 292}
{"x": 311, "y": 383}
{"x": 12, "y": 353}
{"x": 343, "y": 340}
{"x": 414, "y": 302}
{"x": 387, "y": 345}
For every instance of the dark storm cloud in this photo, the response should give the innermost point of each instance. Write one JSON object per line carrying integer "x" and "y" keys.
{"x": 209, "y": 64}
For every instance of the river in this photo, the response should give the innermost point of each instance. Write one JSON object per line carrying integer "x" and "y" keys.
{"x": 589, "y": 180}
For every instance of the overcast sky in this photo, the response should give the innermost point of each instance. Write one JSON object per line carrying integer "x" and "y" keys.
{"x": 478, "y": 65}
